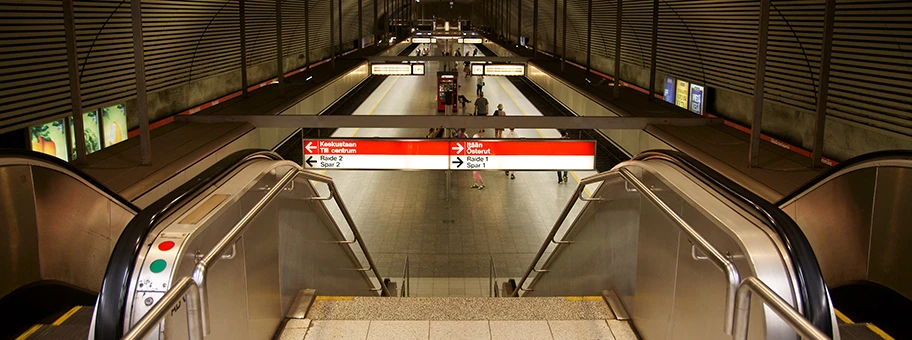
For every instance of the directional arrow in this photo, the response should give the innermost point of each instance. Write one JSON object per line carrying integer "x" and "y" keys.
{"x": 458, "y": 149}
{"x": 310, "y": 161}
{"x": 459, "y": 163}
{"x": 309, "y": 147}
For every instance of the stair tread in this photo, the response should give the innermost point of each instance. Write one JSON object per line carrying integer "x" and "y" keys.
{"x": 460, "y": 308}
{"x": 857, "y": 331}
{"x": 62, "y": 332}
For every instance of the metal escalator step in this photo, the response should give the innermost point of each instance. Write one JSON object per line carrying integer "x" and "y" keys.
{"x": 861, "y": 331}
{"x": 82, "y": 316}
{"x": 28, "y": 333}
{"x": 63, "y": 332}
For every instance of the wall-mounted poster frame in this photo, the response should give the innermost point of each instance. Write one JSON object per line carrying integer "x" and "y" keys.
{"x": 697, "y": 93}
{"x": 682, "y": 94}
{"x": 669, "y": 94}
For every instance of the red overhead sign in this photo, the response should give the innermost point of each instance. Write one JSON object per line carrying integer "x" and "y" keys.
{"x": 452, "y": 154}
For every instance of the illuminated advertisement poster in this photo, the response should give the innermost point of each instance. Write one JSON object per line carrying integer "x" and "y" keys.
{"x": 696, "y": 99}
{"x": 681, "y": 95}
{"x": 92, "y": 139}
{"x": 421, "y": 40}
{"x": 504, "y": 70}
{"x": 115, "y": 124}
{"x": 669, "y": 94}
{"x": 50, "y": 139}
{"x": 472, "y": 40}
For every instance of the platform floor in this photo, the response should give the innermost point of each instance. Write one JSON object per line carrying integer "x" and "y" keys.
{"x": 450, "y": 243}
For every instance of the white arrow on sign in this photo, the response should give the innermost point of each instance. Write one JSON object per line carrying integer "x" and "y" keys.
{"x": 458, "y": 148}
{"x": 309, "y": 147}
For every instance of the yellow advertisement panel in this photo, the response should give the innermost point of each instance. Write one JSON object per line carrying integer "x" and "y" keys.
{"x": 681, "y": 94}
{"x": 50, "y": 139}
{"x": 115, "y": 124}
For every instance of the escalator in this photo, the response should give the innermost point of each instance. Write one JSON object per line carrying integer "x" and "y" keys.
{"x": 57, "y": 224}
{"x": 856, "y": 219}
{"x": 657, "y": 231}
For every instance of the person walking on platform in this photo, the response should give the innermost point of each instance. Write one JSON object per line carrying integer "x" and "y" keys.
{"x": 467, "y": 69}
{"x": 562, "y": 180}
{"x": 511, "y": 134}
{"x": 463, "y": 100}
{"x": 479, "y": 86}
{"x": 498, "y": 132}
{"x": 479, "y": 182}
{"x": 481, "y": 105}
{"x": 475, "y": 52}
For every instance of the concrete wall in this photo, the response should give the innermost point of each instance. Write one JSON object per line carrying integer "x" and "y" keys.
{"x": 631, "y": 141}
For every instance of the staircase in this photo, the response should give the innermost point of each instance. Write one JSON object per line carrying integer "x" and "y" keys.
{"x": 346, "y": 317}
{"x": 71, "y": 324}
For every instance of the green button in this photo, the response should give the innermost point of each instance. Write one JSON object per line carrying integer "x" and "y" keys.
{"x": 158, "y": 266}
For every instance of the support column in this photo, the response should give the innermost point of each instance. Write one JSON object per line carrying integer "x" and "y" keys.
{"x": 307, "y": 34}
{"x": 589, "y": 37}
{"x": 535, "y": 28}
{"x": 69, "y": 23}
{"x": 823, "y": 93}
{"x": 142, "y": 107}
{"x": 280, "y": 60}
{"x": 360, "y": 25}
{"x": 340, "y": 29}
{"x": 554, "y": 35}
{"x": 654, "y": 48}
{"x": 332, "y": 33}
{"x": 617, "y": 49}
{"x": 564, "y": 39}
{"x": 242, "y": 21}
{"x": 757, "y": 121}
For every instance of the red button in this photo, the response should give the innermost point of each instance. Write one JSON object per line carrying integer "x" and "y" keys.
{"x": 166, "y": 246}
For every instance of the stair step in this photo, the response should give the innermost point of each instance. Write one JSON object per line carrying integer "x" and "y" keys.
{"x": 460, "y": 308}
{"x": 72, "y": 324}
{"x": 861, "y": 331}
{"x": 62, "y": 332}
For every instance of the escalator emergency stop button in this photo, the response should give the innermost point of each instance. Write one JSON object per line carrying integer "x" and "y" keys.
{"x": 166, "y": 246}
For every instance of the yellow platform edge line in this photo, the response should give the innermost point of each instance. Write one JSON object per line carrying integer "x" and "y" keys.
{"x": 843, "y": 317}
{"x": 879, "y": 331}
{"x": 29, "y": 332}
{"x": 66, "y": 316}
{"x": 334, "y": 298}
{"x": 584, "y": 298}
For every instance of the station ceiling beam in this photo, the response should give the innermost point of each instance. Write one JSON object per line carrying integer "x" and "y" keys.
{"x": 447, "y": 59}
{"x": 426, "y": 121}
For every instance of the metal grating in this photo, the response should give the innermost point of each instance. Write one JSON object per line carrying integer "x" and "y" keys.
{"x": 294, "y": 12}
{"x": 527, "y": 17}
{"x": 871, "y": 70}
{"x": 350, "y": 24}
{"x": 261, "y": 31}
{"x": 576, "y": 30}
{"x": 319, "y": 29}
{"x": 636, "y": 35}
{"x": 104, "y": 40}
{"x": 186, "y": 41}
{"x": 603, "y": 22}
{"x": 793, "y": 52}
{"x": 34, "y": 83}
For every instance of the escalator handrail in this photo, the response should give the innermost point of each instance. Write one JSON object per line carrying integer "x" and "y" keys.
{"x": 841, "y": 167}
{"x": 813, "y": 290}
{"x": 111, "y": 309}
{"x": 74, "y": 171}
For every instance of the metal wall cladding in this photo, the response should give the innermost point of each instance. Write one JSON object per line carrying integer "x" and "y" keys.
{"x": 350, "y": 24}
{"x": 104, "y": 45}
{"x": 715, "y": 43}
{"x": 34, "y": 83}
{"x": 319, "y": 28}
{"x": 261, "y": 31}
{"x": 871, "y": 76}
{"x": 186, "y": 41}
{"x": 294, "y": 26}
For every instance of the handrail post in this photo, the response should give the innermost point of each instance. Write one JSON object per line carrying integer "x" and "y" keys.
{"x": 195, "y": 326}
{"x": 357, "y": 234}
{"x": 544, "y": 247}
{"x": 731, "y": 272}
{"x": 802, "y": 326}
{"x": 199, "y": 277}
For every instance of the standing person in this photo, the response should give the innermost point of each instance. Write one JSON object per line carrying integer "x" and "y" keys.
{"x": 467, "y": 69}
{"x": 562, "y": 180}
{"x": 462, "y": 133}
{"x": 481, "y": 105}
{"x": 479, "y": 85}
{"x": 498, "y": 132}
{"x": 479, "y": 182}
{"x": 511, "y": 134}
{"x": 475, "y": 52}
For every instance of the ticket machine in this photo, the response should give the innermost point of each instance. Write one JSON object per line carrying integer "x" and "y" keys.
{"x": 447, "y": 90}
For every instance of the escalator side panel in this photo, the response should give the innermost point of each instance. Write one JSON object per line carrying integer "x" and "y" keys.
{"x": 18, "y": 229}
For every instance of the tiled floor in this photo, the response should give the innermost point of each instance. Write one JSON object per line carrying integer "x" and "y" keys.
{"x": 449, "y": 244}
{"x": 502, "y": 330}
